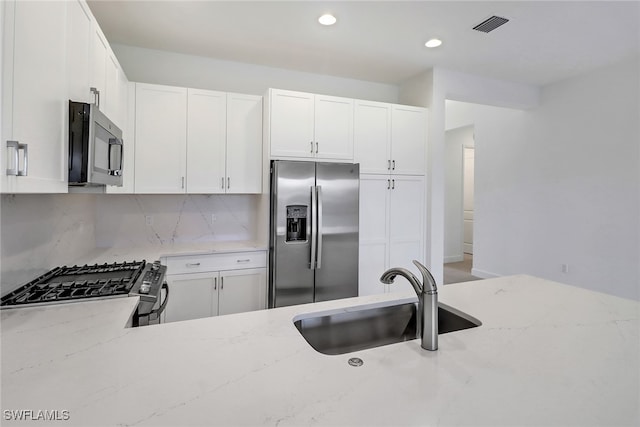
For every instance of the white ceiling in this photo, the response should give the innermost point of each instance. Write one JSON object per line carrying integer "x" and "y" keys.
{"x": 383, "y": 41}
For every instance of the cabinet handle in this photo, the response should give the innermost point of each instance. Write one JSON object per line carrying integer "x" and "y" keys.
{"x": 317, "y": 147}
{"x": 393, "y": 184}
{"x": 394, "y": 165}
{"x": 193, "y": 264}
{"x": 243, "y": 260}
{"x": 388, "y": 184}
{"x": 182, "y": 182}
{"x": 96, "y": 94}
{"x": 228, "y": 182}
{"x": 221, "y": 283}
{"x": 388, "y": 165}
{"x": 311, "y": 147}
{"x": 16, "y": 171}
{"x": 215, "y": 283}
{"x": 222, "y": 182}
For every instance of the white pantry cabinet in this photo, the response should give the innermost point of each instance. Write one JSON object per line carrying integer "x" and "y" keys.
{"x": 34, "y": 97}
{"x": 160, "y": 138}
{"x": 391, "y": 229}
{"x": 308, "y": 126}
{"x": 224, "y": 142}
{"x": 389, "y": 138}
{"x": 212, "y": 285}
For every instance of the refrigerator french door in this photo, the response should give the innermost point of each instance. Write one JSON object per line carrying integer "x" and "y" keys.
{"x": 313, "y": 249}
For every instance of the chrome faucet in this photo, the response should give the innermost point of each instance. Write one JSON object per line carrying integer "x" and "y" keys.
{"x": 427, "y": 302}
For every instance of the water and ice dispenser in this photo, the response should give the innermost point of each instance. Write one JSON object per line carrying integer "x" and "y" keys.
{"x": 297, "y": 223}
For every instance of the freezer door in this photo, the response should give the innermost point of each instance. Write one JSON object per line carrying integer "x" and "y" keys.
{"x": 290, "y": 256}
{"x": 336, "y": 271}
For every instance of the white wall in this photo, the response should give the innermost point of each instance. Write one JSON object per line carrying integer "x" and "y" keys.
{"x": 431, "y": 89}
{"x": 160, "y": 67}
{"x": 455, "y": 141}
{"x": 560, "y": 184}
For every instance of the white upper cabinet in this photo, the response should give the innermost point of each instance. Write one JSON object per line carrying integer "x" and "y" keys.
{"x": 372, "y": 136}
{"x": 390, "y": 138}
{"x": 52, "y": 52}
{"x": 206, "y": 141}
{"x": 34, "y": 97}
{"x": 79, "y": 48}
{"x": 160, "y": 139}
{"x": 408, "y": 140}
{"x": 244, "y": 143}
{"x": 307, "y": 126}
{"x": 213, "y": 142}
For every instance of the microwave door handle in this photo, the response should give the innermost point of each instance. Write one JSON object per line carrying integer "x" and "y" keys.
{"x": 115, "y": 142}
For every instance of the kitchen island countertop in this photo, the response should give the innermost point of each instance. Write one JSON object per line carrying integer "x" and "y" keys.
{"x": 546, "y": 354}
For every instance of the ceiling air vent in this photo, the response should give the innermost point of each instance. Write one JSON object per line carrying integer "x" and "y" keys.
{"x": 490, "y": 24}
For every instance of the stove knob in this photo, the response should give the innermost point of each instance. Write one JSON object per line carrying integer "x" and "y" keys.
{"x": 155, "y": 265}
{"x": 145, "y": 287}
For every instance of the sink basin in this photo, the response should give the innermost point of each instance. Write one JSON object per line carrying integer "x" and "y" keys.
{"x": 363, "y": 328}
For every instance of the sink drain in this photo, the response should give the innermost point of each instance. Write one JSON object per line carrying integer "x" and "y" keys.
{"x": 356, "y": 361}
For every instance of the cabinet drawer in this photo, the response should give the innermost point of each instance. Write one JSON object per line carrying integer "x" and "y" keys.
{"x": 215, "y": 262}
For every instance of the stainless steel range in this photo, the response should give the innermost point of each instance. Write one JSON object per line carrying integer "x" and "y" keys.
{"x": 80, "y": 283}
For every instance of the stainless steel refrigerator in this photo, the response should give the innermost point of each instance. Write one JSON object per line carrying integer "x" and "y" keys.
{"x": 313, "y": 248}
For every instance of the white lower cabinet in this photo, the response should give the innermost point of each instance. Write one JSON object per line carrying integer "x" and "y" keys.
{"x": 391, "y": 229}
{"x": 201, "y": 290}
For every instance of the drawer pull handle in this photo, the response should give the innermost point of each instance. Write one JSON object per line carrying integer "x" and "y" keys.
{"x": 243, "y": 260}
{"x": 193, "y": 264}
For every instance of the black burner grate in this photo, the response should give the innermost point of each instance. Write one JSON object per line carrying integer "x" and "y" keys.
{"x": 77, "y": 282}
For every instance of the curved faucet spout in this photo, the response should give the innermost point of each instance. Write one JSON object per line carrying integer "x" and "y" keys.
{"x": 389, "y": 275}
{"x": 428, "y": 282}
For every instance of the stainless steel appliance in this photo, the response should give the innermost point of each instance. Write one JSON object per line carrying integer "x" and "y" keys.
{"x": 313, "y": 250}
{"x": 95, "y": 147}
{"x": 79, "y": 283}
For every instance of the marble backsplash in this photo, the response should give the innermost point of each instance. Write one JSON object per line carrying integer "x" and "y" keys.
{"x": 41, "y": 231}
{"x": 159, "y": 220}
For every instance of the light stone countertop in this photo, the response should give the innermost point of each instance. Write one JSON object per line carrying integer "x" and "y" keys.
{"x": 151, "y": 253}
{"x": 546, "y": 354}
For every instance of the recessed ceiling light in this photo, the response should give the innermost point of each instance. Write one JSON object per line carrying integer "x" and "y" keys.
{"x": 327, "y": 19}
{"x": 433, "y": 43}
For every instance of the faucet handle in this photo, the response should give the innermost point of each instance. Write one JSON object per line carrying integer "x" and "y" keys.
{"x": 428, "y": 282}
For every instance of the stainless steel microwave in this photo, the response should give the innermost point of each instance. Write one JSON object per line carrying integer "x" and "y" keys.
{"x": 95, "y": 147}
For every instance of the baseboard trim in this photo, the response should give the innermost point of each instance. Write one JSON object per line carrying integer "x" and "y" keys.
{"x": 453, "y": 258}
{"x": 483, "y": 274}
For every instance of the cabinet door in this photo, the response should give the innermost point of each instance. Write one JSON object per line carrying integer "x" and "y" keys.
{"x": 372, "y": 136}
{"x": 79, "y": 51}
{"x": 206, "y": 135}
{"x": 161, "y": 139}
{"x": 244, "y": 143}
{"x": 34, "y": 92}
{"x": 374, "y": 233}
{"x": 191, "y": 296}
{"x": 109, "y": 98}
{"x": 408, "y": 139}
{"x": 333, "y": 127}
{"x": 406, "y": 225}
{"x": 242, "y": 290}
{"x": 99, "y": 49}
{"x": 291, "y": 124}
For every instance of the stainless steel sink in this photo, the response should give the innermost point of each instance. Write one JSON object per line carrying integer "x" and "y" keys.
{"x": 362, "y": 328}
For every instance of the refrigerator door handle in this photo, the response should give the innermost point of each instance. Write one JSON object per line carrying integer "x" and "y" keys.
{"x": 314, "y": 229}
{"x": 319, "y": 228}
